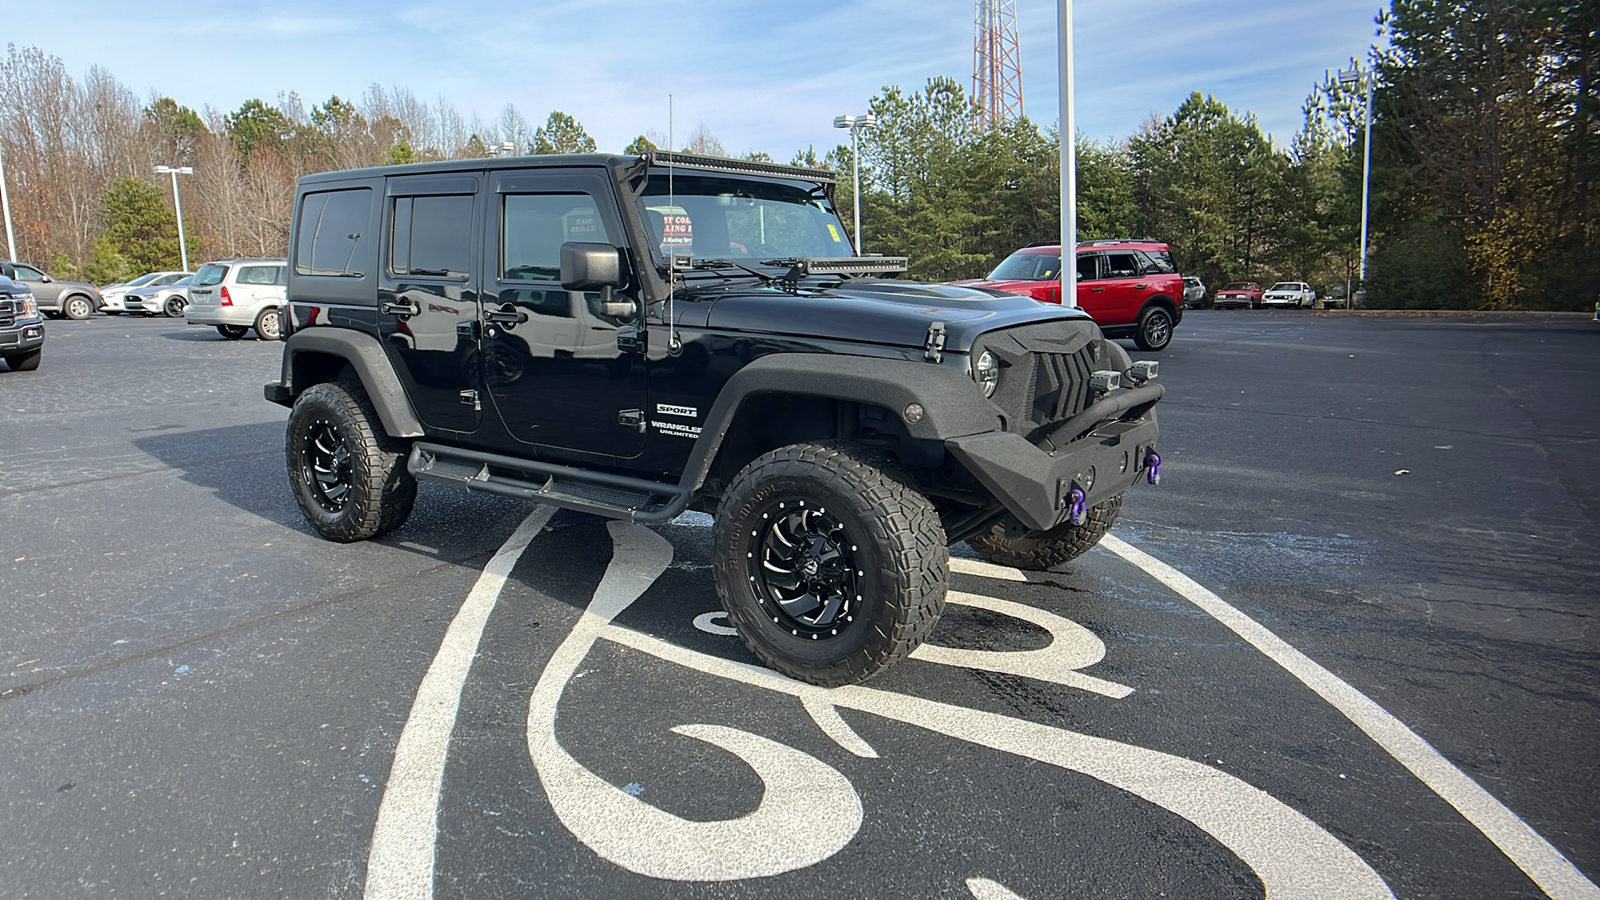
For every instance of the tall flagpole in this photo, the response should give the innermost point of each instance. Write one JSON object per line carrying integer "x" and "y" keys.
{"x": 1069, "y": 162}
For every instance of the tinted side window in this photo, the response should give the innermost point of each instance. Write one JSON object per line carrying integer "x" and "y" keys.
{"x": 1086, "y": 267}
{"x": 431, "y": 236}
{"x": 535, "y": 227}
{"x": 331, "y": 239}
{"x": 1121, "y": 265}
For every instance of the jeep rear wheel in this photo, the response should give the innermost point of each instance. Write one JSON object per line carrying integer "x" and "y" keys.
{"x": 349, "y": 477}
{"x": 1040, "y": 550}
{"x": 829, "y": 562}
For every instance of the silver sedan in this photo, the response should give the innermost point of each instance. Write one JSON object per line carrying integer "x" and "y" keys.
{"x": 169, "y": 299}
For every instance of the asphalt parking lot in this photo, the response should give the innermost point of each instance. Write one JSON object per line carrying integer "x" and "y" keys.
{"x": 1345, "y": 649}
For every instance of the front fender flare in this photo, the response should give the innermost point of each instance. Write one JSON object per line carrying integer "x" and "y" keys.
{"x": 952, "y": 404}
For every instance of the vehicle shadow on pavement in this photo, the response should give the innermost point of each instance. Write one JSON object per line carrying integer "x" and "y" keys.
{"x": 243, "y": 465}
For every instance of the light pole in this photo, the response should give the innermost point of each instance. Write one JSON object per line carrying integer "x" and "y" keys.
{"x": 1069, "y": 160}
{"x": 855, "y": 124}
{"x": 5, "y": 203}
{"x": 177, "y": 203}
{"x": 1351, "y": 76}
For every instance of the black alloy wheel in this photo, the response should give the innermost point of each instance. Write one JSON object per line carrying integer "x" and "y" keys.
{"x": 349, "y": 477}
{"x": 1155, "y": 329}
{"x": 830, "y": 562}
{"x": 802, "y": 564}
{"x": 232, "y": 332}
{"x": 174, "y": 307}
{"x": 325, "y": 459}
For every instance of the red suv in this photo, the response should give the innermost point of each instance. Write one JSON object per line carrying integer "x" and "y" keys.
{"x": 1130, "y": 287}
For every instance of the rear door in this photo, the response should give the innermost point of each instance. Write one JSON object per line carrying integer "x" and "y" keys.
{"x": 1092, "y": 296}
{"x": 428, "y": 294}
{"x": 1126, "y": 286}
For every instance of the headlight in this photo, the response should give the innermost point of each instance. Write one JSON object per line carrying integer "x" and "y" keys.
{"x": 30, "y": 306}
{"x": 986, "y": 372}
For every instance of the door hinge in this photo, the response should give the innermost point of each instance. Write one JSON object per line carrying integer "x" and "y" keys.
{"x": 470, "y": 398}
{"x": 933, "y": 344}
{"x": 632, "y": 418}
{"x": 628, "y": 341}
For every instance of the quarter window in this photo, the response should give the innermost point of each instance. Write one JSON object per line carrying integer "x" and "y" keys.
{"x": 431, "y": 236}
{"x": 332, "y": 239}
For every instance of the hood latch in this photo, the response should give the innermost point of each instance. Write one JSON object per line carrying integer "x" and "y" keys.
{"x": 933, "y": 344}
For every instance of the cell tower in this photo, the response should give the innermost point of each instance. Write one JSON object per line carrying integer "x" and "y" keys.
{"x": 997, "y": 63}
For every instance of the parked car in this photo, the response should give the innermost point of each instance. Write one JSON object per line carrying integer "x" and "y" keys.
{"x": 111, "y": 294}
{"x": 1194, "y": 292}
{"x": 1297, "y": 294}
{"x": 1130, "y": 287}
{"x": 236, "y": 295}
{"x": 21, "y": 323}
{"x": 165, "y": 300}
{"x": 1238, "y": 294}
{"x": 72, "y": 299}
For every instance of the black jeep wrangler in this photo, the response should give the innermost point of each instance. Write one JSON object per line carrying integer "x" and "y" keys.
{"x": 636, "y": 336}
{"x": 21, "y": 323}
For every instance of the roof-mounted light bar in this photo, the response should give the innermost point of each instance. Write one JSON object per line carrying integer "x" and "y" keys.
{"x": 740, "y": 166}
{"x": 847, "y": 265}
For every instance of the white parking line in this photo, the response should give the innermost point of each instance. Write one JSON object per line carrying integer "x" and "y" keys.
{"x": 400, "y": 861}
{"x": 1537, "y": 857}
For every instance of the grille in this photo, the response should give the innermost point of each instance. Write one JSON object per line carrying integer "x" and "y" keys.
{"x": 1044, "y": 371}
{"x": 8, "y": 312}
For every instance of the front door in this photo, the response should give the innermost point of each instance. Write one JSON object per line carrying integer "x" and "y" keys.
{"x": 1092, "y": 296}
{"x": 552, "y": 365}
{"x": 428, "y": 295}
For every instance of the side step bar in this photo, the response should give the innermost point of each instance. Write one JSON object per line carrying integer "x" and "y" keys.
{"x": 597, "y": 493}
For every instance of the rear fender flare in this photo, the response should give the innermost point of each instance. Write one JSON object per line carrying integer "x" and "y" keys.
{"x": 367, "y": 359}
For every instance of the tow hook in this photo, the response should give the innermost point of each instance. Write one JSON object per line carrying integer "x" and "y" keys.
{"x": 1152, "y": 463}
{"x": 1075, "y": 507}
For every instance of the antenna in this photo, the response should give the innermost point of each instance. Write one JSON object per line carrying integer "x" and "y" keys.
{"x": 674, "y": 346}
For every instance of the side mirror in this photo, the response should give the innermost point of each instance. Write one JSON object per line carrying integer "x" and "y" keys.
{"x": 590, "y": 267}
{"x": 46, "y": 279}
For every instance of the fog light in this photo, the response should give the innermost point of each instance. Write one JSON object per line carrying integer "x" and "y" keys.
{"x": 1105, "y": 381}
{"x": 914, "y": 413}
{"x": 1142, "y": 371}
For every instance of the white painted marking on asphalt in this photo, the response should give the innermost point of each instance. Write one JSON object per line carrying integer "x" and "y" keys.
{"x": 834, "y": 726}
{"x": 1537, "y": 857}
{"x": 1292, "y": 855}
{"x": 984, "y": 889}
{"x": 802, "y": 795}
{"x": 707, "y": 622}
{"x": 1071, "y": 647}
{"x": 400, "y": 861}
{"x": 985, "y": 569}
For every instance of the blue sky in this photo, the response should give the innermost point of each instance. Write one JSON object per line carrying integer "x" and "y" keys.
{"x": 760, "y": 76}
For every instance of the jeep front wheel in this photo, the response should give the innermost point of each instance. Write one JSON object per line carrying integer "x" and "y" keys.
{"x": 349, "y": 477}
{"x": 829, "y": 562}
{"x": 1040, "y": 550}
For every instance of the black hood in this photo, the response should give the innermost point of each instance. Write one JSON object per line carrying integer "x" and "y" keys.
{"x": 874, "y": 311}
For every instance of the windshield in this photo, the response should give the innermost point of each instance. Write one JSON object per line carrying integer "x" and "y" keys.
{"x": 1287, "y": 286}
{"x": 1237, "y": 286}
{"x": 1028, "y": 267}
{"x": 143, "y": 279}
{"x": 727, "y": 217}
{"x": 210, "y": 274}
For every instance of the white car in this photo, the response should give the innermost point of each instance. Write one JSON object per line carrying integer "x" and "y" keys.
{"x": 1297, "y": 294}
{"x": 236, "y": 295}
{"x": 167, "y": 300}
{"x": 1194, "y": 292}
{"x": 112, "y": 294}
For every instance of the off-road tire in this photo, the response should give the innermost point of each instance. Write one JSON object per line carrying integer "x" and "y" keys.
{"x": 269, "y": 324}
{"x": 327, "y": 419}
{"x": 1155, "y": 329}
{"x": 233, "y": 332}
{"x": 77, "y": 307}
{"x": 1043, "y": 550}
{"x": 25, "y": 362}
{"x": 896, "y": 550}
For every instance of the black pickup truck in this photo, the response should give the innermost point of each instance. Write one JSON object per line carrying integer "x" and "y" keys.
{"x": 634, "y": 336}
{"x": 21, "y": 323}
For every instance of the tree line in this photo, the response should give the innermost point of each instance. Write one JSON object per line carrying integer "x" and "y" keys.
{"x": 1484, "y": 150}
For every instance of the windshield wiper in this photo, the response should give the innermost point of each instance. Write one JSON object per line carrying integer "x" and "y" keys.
{"x": 701, "y": 265}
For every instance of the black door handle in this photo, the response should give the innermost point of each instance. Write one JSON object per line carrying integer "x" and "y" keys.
{"x": 507, "y": 314}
